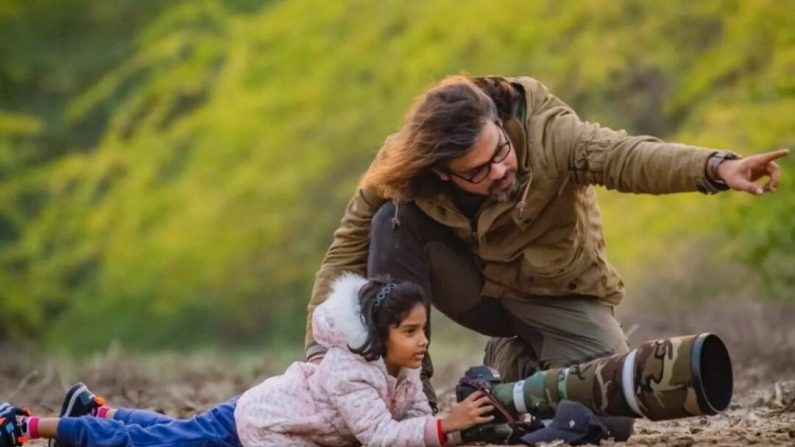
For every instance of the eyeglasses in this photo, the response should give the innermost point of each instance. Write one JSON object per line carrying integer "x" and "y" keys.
{"x": 481, "y": 172}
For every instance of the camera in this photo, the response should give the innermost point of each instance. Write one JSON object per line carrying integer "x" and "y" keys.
{"x": 505, "y": 428}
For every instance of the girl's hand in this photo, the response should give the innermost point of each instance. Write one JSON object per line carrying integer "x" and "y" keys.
{"x": 468, "y": 413}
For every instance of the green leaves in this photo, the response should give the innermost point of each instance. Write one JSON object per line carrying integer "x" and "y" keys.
{"x": 172, "y": 172}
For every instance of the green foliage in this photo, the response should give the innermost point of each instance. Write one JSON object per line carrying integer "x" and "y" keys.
{"x": 172, "y": 172}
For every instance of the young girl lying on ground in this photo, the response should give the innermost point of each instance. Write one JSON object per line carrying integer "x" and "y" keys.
{"x": 366, "y": 390}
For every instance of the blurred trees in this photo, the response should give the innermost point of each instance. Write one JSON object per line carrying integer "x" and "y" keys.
{"x": 171, "y": 172}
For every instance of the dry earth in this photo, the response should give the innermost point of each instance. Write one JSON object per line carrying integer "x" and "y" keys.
{"x": 761, "y": 340}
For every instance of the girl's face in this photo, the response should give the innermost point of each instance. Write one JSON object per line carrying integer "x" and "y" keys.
{"x": 407, "y": 343}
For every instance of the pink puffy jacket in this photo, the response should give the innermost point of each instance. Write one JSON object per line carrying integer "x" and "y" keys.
{"x": 345, "y": 400}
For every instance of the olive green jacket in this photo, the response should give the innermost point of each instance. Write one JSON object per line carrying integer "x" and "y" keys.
{"x": 548, "y": 240}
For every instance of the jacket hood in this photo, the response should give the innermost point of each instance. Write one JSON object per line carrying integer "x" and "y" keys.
{"x": 337, "y": 321}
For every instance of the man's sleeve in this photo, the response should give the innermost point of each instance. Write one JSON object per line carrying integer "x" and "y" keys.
{"x": 587, "y": 153}
{"x": 348, "y": 253}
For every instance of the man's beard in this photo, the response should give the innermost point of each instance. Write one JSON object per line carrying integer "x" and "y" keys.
{"x": 507, "y": 195}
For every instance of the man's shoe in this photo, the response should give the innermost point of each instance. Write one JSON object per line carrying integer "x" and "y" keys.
{"x": 11, "y": 425}
{"x": 79, "y": 401}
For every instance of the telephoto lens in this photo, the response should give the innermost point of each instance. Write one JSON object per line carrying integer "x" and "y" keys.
{"x": 662, "y": 379}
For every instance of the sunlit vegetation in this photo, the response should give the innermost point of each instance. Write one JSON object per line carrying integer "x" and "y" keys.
{"x": 171, "y": 172}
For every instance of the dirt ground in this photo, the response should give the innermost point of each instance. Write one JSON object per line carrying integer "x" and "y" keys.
{"x": 761, "y": 341}
{"x": 762, "y": 416}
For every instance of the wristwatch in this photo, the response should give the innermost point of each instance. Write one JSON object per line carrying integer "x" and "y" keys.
{"x": 713, "y": 182}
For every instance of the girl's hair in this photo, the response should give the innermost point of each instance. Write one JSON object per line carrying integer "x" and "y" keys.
{"x": 443, "y": 124}
{"x": 385, "y": 303}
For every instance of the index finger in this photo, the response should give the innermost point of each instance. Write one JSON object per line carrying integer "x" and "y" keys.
{"x": 774, "y": 155}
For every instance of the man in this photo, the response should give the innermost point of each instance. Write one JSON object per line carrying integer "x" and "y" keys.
{"x": 485, "y": 198}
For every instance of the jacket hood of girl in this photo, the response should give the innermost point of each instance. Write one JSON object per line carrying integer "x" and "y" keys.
{"x": 337, "y": 322}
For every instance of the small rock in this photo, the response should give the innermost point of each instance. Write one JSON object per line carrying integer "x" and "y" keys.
{"x": 695, "y": 430}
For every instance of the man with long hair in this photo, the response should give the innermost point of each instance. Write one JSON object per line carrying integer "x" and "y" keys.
{"x": 485, "y": 197}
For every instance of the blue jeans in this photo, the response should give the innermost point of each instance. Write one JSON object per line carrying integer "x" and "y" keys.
{"x": 128, "y": 428}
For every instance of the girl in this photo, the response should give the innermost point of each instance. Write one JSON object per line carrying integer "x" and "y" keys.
{"x": 366, "y": 390}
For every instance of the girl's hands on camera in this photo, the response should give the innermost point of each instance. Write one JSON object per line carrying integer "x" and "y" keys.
{"x": 468, "y": 413}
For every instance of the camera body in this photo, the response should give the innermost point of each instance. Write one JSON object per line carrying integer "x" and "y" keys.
{"x": 500, "y": 430}
{"x": 476, "y": 378}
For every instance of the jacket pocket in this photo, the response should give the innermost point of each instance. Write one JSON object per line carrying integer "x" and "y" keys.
{"x": 560, "y": 275}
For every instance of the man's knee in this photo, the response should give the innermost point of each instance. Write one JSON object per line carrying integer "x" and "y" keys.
{"x": 512, "y": 357}
{"x": 382, "y": 219}
{"x": 391, "y": 216}
{"x": 397, "y": 246}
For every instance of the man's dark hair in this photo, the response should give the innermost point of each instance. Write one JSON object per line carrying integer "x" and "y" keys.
{"x": 442, "y": 125}
{"x": 385, "y": 303}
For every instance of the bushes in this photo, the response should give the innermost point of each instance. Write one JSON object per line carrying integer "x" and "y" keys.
{"x": 185, "y": 163}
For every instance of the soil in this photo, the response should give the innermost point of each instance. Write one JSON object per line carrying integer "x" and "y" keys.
{"x": 762, "y": 412}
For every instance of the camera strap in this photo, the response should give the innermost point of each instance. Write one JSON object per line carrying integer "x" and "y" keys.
{"x": 496, "y": 403}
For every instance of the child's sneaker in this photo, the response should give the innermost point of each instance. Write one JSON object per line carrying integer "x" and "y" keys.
{"x": 79, "y": 401}
{"x": 11, "y": 425}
